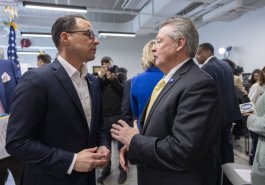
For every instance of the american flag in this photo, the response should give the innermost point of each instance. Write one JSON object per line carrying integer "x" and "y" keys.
{"x": 12, "y": 50}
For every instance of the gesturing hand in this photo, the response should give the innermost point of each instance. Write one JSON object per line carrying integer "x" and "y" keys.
{"x": 123, "y": 160}
{"x": 106, "y": 152}
{"x": 88, "y": 159}
{"x": 122, "y": 132}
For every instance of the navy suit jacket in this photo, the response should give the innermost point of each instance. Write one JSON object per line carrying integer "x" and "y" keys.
{"x": 7, "y": 89}
{"x": 177, "y": 145}
{"x": 2, "y": 94}
{"x": 47, "y": 126}
{"x": 222, "y": 74}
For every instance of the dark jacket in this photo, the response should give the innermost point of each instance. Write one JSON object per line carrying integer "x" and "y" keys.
{"x": 47, "y": 126}
{"x": 178, "y": 138}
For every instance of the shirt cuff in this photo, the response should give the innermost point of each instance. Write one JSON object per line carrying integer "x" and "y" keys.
{"x": 70, "y": 169}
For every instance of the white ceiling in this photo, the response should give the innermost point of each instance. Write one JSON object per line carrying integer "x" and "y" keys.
{"x": 139, "y": 16}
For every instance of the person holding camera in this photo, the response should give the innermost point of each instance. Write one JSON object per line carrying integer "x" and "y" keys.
{"x": 112, "y": 91}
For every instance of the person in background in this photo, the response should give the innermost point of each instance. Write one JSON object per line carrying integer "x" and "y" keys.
{"x": 127, "y": 116}
{"x": 255, "y": 92}
{"x": 143, "y": 84}
{"x": 122, "y": 74}
{"x": 179, "y": 126}
{"x": 224, "y": 78}
{"x": 254, "y": 77}
{"x": 112, "y": 91}
{"x": 55, "y": 123}
{"x": 9, "y": 77}
{"x": 257, "y": 88}
{"x": 256, "y": 123}
{"x": 237, "y": 129}
{"x": 237, "y": 80}
{"x": 43, "y": 59}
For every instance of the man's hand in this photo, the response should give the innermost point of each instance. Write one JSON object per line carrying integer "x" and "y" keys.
{"x": 123, "y": 160}
{"x": 103, "y": 71}
{"x": 88, "y": 159}
{"x": 122, "y": 132}
{"x": 106, "y": 152}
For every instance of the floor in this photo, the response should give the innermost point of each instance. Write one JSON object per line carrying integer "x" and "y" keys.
{"x": 241, "y": 156}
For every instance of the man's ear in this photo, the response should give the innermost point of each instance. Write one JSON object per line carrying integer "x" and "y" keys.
{"x": 65, "y": 38}
{"x": 180, "y": 43}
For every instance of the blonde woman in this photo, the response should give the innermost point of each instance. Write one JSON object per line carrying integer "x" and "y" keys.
{"x": 143, "y": 84}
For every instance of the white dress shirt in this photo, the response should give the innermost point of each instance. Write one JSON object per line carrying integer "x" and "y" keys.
{"x": 173, "y": 70}
{"x": 81, "y": 87}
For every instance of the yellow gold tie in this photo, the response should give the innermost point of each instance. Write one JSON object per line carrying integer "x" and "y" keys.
{"x": 159, "y": 86}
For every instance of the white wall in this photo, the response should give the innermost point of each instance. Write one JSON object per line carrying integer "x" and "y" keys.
{"x": 125, "y": 52}
{"x": 246, "y": 35}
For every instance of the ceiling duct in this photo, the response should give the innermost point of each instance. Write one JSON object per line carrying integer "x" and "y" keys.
{"x": 134, "y": 4}
{"x": 190, "y": 8}
{"x": 234, "y": 6}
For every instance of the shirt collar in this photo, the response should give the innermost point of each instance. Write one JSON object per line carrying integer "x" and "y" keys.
{"x": 71, "y": 71}
{"x": 206, "y": 61}
{"x": 174, "y": 70}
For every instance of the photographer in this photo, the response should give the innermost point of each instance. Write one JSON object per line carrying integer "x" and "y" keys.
{"x": 112, "y": 90}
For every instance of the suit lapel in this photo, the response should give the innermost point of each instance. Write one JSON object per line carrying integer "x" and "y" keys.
{"x": 68, "y": 85}
{"x": 176, "y": 77}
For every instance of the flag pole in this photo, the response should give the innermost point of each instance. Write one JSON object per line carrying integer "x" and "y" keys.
{"x": 12, "y": 50}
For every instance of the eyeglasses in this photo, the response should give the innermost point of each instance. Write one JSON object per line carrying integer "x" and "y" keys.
{"x": 89, "y": 32}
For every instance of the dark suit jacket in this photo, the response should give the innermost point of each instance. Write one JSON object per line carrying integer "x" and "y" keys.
{"x": 2, "y": 94}
{"x": 11, "y": 69}
{"x": 222, "y": 74}
{"x": 177, "y": 143}
{"x": 48, "y": 125}
{"x": 126, "y": 111}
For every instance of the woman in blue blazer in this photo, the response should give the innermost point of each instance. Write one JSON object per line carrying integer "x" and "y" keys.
{"x": 143, "y": 84}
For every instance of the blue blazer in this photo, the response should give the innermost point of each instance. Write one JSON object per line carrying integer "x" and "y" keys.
{"x": 142, "y": 87}
{"x": 47, "y": 126}
{"x": 222, "y": 74}
{"x": 7, "y": 89}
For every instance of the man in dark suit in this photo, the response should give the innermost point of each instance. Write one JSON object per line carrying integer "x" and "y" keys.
{"x": 223, "y": 76}
{"x": 177, "y": 144}
{"x": 9, "y": 76}
{"x": 56, "y": 121}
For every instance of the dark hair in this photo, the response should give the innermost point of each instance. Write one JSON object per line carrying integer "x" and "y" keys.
{"x": 252, "y": 80}
{"x": 62, "y": 24}
{"x": 231, "y": 63}
{"x": 237, "y": 70}
{"x": 106, "y": 59}
{"x": 207, "y": 47}
{"x": 262, "y": 77}
{"x": 122, "y": 70}
{"x": 45, "y": 58}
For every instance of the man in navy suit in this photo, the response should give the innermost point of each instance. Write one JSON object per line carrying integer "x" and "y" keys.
{"x": 223, "y": 76}
{"x": 9, "y": 76}
{"x": 177, "y": 143}
{"x": 56, "y": 121}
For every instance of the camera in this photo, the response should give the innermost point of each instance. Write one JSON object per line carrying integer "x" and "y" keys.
{"x": 113, "y": 69}
{"x": 238, "y": 70}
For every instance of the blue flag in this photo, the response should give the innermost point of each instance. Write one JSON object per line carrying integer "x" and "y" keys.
{"x": 12, "y": 50}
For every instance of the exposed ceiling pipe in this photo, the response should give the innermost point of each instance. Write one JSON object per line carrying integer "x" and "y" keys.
{"x": 115, "y": 4}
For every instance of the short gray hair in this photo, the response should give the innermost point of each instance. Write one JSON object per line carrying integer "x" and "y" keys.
{"x": 184, "y": 27}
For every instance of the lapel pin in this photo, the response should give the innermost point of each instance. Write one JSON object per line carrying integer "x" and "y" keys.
{"x": 171, "y": 80}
